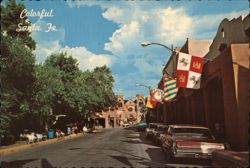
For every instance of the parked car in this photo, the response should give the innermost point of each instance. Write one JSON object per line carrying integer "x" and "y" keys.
{"x": 149, "y": 130}
{"x": 160, "y": 129}
{"x": 141, "y": 126}
{"x": 189, "y": 141}
{"x": 125, "y": 124}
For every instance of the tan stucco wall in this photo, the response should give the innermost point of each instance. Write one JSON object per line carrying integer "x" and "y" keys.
{"x": 232, "y": 68}
{"x": 240, "y": 54}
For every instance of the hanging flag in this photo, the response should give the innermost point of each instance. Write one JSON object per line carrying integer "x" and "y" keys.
{"x": 170, "y": 89}
{"x": 156, "y": 96}
{"x": 189, "y": 69}
{"x": 149, "y": 104}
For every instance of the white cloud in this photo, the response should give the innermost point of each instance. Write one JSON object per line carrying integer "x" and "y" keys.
{"x": 48, "y": 43}
{"x": 122, "y": 40}
{"x": 173, "y": 25}
{"x": 163, "y": 25}
{"x": 87, "y": 59}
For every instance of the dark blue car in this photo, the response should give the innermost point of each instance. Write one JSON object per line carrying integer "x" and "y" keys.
{"x": 141, "y": 126}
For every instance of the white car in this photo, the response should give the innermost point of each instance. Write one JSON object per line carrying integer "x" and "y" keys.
{"x": 125, "y": 125}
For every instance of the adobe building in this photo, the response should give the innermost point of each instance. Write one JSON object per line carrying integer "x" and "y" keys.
{"x": 126, "y": 111}
{"x": 222, "y": 102}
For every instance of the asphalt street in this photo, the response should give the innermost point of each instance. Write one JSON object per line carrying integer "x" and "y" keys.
{"x": 117, "y": 147}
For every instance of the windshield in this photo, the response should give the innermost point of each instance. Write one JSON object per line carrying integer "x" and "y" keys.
{"x": 192, "y": 133}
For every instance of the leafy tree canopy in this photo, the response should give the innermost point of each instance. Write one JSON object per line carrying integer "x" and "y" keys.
{"x": 10, "y": 18}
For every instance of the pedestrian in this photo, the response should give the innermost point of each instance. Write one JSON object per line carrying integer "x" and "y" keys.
{"x": 57, "y": 133}
{"x": 84, "y": 129}
{"x": 75, "y": 129}
{"x": 69, "y": 131}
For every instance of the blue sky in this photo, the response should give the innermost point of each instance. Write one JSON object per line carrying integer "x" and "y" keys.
{"x": 110, "y": 32}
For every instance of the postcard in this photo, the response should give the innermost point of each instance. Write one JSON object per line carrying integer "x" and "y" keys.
{"x": 124, "y": 83}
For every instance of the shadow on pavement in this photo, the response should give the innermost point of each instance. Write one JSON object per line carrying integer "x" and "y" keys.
{"x": 132, "y": 136}
{"x": 154, "y": 164}
{"x": 122, "y": 159}
{"x": 74, "y": 148}
{"x": 156, "y": 155}
{"x": 146, "y": 141}
{"x": 140, "y": 160}
{"x": 141, "y": 136}
{"x": 130, "y": 128}
{"x": 16, "y": 163}
{"x": 133, "y": 141}
{"x": 46, "y": 164}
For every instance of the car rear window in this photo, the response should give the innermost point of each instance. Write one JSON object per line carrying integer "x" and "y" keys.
{"x": 192, "y": 133}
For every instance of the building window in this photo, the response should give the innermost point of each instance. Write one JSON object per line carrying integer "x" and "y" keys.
{"x": 120, "y": 103}
{"x": 222, "y": 33}
{"x": 130, "y": 109}
{"x": 140, "y": 103}
{"x": 223, "y": 45}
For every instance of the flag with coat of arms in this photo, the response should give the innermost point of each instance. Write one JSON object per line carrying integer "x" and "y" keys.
{"x": 189, "y": 69}
{"x": 154, "y": 98}
{"x": 170, "y": 89}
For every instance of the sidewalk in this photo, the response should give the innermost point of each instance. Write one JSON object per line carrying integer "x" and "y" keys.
{"x": 22, "y": 145}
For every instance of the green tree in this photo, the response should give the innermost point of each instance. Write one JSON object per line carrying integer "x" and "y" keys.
{"x": 65, "y": 101}
{"x": 83, "y": 92}
{"x": 10, "y": 18}
{"x": 17, "y": 70}
{"x": 17, "y": 79}
{"x": 47, "y": 85}
{"x": 98, "y": 91}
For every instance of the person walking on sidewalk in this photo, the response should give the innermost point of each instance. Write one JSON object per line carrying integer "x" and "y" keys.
{"x": 69, "y": 131}
{"x": 84, "y": 129}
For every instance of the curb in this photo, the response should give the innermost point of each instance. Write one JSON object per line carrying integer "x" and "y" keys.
{"x": 26, "y": 146}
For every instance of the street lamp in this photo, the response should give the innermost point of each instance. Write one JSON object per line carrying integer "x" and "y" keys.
{"x": 145, "y": 44}
{"x": 143, "y": 86}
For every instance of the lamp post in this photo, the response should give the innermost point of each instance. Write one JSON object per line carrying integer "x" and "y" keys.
{"x": 147, "y": 44}
{"x": 150, "y": 88}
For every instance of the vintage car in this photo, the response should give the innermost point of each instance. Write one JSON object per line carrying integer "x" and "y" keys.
{"x": 189, "y": 141}
{"x": 158, "y": 131}
{"x": 149, "y": 130}
{"x": 141, "y": 126}
{"x": 125, "y": 124}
